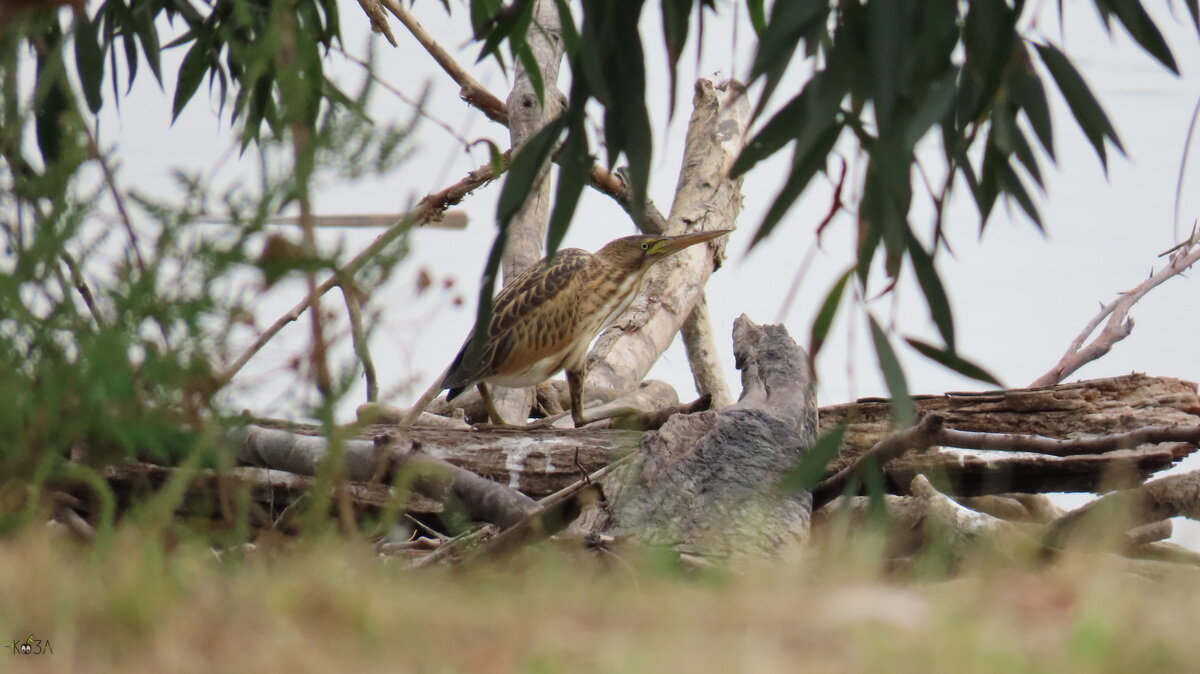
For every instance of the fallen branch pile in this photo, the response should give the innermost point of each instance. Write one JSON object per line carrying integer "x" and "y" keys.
{"x": 707, "y": 484}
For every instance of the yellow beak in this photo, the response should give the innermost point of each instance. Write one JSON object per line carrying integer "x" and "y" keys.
{"x": 673, "y": 244}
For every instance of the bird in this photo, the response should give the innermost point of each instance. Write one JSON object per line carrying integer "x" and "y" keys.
{"x": 546, "y": 318}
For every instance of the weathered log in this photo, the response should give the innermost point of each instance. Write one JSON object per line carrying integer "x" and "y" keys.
{"x": 1071, "y": 411}
{"x": 541, "y": 462}
{"x": 536, "y": 462}
{"x": 1172, "y": 496}
{"x": 708, "y": 483}
{"x": 481, "y": 498}
{"x": 272, "y": 490}
{"x": 1094, "y": 407}
{"x": 973, "y": 474}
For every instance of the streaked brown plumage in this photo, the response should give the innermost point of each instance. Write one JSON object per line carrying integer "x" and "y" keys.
{"x": 546, "y": 318}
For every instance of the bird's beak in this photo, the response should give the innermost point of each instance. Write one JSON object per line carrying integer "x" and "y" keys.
{"x": 674, "y": 244}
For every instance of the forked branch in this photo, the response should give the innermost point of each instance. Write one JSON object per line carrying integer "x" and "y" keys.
{"x": 1119, "y": 325}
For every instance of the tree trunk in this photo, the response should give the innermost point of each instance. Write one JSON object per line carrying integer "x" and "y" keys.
{"x": 527, "y": 114}
{"x": 705, "y": 198}
{"x": 707, "y": 484}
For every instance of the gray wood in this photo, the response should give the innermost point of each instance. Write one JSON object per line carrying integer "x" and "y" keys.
{"x": 706, "y": 484}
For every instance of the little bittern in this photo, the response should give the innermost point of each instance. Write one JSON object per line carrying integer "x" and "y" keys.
{"x": 545, "y": 319}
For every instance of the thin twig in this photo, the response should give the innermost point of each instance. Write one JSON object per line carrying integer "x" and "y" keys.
{"x": 922, "y": 436}
{"x": 459, "y": 542}
{"x": 403, "y": 96}
{"x": 428, "y": 209}
{"x": 1119, "y": 325}
{"x": 110, "y": 179}
{"x": 470, "y": 90}
{"x": 359, "y": 338}
{"x": 1187, "y": 146}
{"x": 82, "y": 288}
{"x": 534, "y": 525}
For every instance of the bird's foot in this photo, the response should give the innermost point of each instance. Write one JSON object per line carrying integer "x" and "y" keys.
{"x": 531, "y": 426}
{"x": 540, "y": 424}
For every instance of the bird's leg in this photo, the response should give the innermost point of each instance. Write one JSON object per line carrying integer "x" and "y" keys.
{"x": 575, "y": 384}
{"x": 490, "y": 405}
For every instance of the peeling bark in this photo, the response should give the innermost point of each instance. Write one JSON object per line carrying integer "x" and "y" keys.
{"x": 1086, "y": 408}
{"x": 705, "y": 199}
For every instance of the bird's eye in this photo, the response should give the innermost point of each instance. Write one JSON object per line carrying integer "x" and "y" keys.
{"x": 645, "y": 245}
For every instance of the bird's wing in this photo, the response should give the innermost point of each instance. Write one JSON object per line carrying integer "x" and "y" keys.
{"x": 528, "y": 299}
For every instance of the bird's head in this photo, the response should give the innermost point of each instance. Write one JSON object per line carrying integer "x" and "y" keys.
{"x": 642, "y": 251}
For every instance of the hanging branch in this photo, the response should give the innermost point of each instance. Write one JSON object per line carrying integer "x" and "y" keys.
{"x": 1119, "y": 325}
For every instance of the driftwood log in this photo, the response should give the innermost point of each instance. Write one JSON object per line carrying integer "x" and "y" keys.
{"x": 708, "y": 483}
{"x": 1067, "y": 411}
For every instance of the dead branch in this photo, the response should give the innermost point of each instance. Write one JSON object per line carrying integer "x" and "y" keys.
{"x": 652, "y": 394}
{"x": 378, "y": 19}
{"x": 959, "y": 526}
{"x": 442, "y": 481}
{"x": 358, "y": 337}
{"x": 429, "y": 208}
{"x": 536, "y": 462}
{"x": 1147, "y": 533}
{"x": 1083, "y": 409}
{"x": 919, "y": 437}
{"x": 932, "y": 432}
{"x": 1172, "y": 496}
{"x": 1119, "y": 325}
{"x": 375, "y": 413}
{"x": 705, "y": 198}
{"x": 470, "y": 90}
{"x": 975, "y": 475}
{"x": 527, "y": 115}
{"x": 1027, "y": 508}
{"x": 273, "y": 490}
{"x": 1013, "y": 442}
{"x": 702, "y": 355}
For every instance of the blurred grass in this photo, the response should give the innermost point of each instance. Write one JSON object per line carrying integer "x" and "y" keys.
{"x": 131, "y": 605}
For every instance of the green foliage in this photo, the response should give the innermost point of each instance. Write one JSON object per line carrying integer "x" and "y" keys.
{"x": 113, "y": 331}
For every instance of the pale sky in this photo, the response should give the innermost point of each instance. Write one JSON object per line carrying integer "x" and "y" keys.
{"x": 1019, "y": 297}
